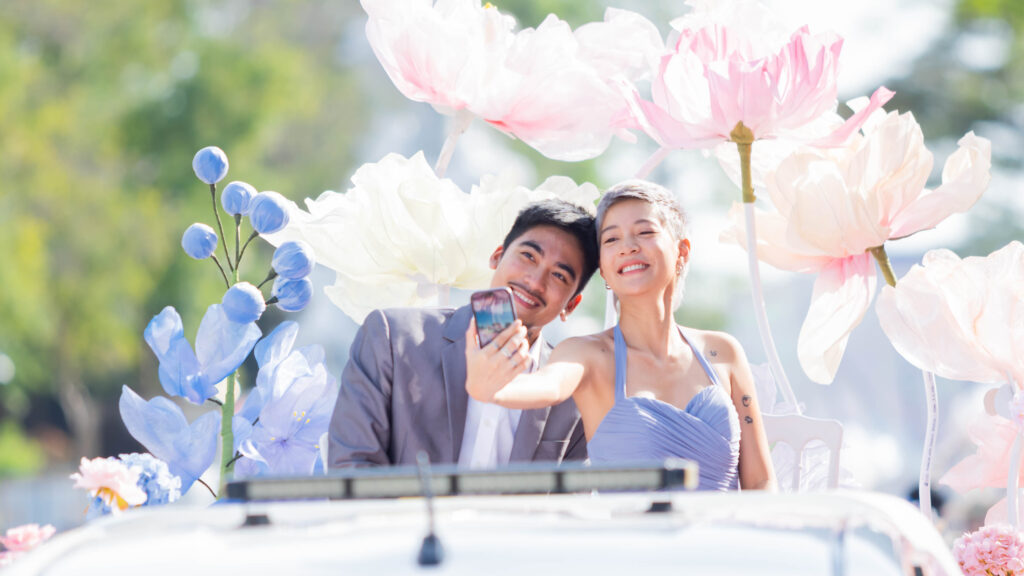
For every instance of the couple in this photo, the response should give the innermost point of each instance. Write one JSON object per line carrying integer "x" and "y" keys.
{"x": 646, "y": 389}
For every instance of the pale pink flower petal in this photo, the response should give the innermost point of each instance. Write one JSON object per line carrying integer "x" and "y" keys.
{"x": 26, "y": 537}
{"x": 732, "y": 64}
{"x": 964, "y": 178}
{"x": 772, "y": 245}
{"x": 442, "y": 53}
{"x": 960, "y": 319}
{"x": 842, "y": 294}
{"x": 996, "y": 549}
{"x": 989, "y": 466}
{"x": 111, "y": 480}
{"x": 624, "y": 43}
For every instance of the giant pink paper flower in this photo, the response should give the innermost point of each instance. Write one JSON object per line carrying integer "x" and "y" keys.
{"x": 961, "y": 319}
{"x": 835, "y": 205}
{"x": 112, "y": 481}
{"x": 544, "y": 86}
{"x": 26, "y": 537}
{"x": 732, "y": 62}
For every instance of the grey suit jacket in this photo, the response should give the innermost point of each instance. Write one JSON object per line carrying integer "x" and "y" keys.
{"x": 404, "y": 390}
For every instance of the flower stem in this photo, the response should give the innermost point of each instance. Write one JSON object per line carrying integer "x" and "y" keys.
{"x": 203, "y": 482}
{"x": 761, "y": 314}
{"x": 227, "y": 435}
{"x": 246, "y": 245}
{"x": 270, "y": 276}
{"x": 238, "y": 231}
{"x": 220, "y": 227}
{"x": 924, "y": 485}
{"x": 883, "y": 262}
{"x": 460, "y": 123}
{"x": 221, "y": 268}
{"x": 744, "y": 139}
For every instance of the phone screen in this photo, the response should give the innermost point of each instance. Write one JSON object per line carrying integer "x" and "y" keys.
{"x": 493, "y": 311}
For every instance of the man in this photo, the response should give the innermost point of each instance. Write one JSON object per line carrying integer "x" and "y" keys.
{"x": 403, "y": 389}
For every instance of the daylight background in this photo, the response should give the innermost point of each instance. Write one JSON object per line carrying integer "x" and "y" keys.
{"x": 103, "y": 104}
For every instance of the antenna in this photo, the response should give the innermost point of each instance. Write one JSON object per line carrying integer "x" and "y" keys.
{"x": 431, "y": 552}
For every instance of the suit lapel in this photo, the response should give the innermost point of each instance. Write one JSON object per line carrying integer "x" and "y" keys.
{"x": 453, "y": 366}
{"x": 531, "y": 422}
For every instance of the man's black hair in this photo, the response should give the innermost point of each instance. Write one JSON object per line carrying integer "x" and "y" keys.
{"x": 573, "y": 219}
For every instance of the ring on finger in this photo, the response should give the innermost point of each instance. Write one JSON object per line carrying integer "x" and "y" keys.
{"x": 508, "y": 353}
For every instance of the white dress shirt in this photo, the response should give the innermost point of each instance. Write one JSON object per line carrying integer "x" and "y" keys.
{"x": 491, "y": 429}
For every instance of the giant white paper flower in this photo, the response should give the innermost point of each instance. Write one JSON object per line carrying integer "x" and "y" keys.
{"x": 545, "y": 86}
{"x": 961, "y": 319}
{"x": 834, "y": 205}
{"x": 400, "y": 232}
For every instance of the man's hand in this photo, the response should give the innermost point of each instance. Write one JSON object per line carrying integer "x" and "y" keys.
{"x": 490, "y": 368}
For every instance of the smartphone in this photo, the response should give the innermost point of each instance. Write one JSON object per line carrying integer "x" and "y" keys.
{"x": 493, "y": 311}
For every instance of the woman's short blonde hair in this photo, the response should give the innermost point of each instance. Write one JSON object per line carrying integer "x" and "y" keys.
{"x": 672, "y": 214}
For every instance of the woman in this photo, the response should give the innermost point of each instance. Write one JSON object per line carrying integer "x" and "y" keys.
{"x": 648, "y": 388}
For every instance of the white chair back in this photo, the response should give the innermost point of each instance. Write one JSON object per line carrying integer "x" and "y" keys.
{"x": 797, "y": 430}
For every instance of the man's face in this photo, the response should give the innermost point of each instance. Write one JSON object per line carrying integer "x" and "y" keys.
{"x": 542, "y": 267}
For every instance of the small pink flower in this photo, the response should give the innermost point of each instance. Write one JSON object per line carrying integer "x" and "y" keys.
{"x": 26, "y": 537}
{"x": 995, "y": 549}
{"x": 110, "y": 480}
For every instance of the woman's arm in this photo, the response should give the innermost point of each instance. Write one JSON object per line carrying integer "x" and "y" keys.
{"x": 492, "y": 376}
{"x": 756, "y": 470}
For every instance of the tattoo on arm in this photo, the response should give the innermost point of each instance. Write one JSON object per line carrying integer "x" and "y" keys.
{"x": 712, "y": 353}
{"x": 748, "y": 420}
{"x": 746, "y": 400}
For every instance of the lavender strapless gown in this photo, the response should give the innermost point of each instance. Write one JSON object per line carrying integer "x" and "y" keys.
{"x": 707, "y": 431}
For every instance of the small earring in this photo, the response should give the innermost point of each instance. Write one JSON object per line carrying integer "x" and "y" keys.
{"x": 606, "y": 286}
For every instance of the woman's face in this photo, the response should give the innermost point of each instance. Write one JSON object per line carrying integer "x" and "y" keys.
{"x": 638, "y": 252}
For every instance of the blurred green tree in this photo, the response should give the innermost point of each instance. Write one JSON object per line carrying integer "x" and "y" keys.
{"x": 102, "y": 106}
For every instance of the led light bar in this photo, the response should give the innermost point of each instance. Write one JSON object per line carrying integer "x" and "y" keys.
{"x": 448, "y": 480}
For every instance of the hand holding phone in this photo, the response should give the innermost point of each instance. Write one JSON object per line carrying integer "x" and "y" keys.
{"x": 493, "y": 311}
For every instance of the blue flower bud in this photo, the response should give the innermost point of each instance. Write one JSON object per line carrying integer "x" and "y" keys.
{"x": 243, "y": 303}
{"x": 199, "y": 241}
{"x": 292, "y": 295}
{"x": 293, "y": 260}
{"x": 237, "y": 198}
{"x": 268, "y": 212}
{"x": 210, "y": 164}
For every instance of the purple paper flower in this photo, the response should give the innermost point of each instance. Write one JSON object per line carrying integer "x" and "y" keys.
{"x": 293, "y": 260}
{"x": 237, "y": 198}
{"x": 161, "y": 427}
{"x": 294, "y": 399}
{"x": 199, "y": 241}
{"x": 210, "y": 164}
{"x": 292, "y": 295}
{"x": 243, "y": 303}
{"x": 268, "y": 212}
{"x": 155, "y": 478}
{"x": 221, "y": 347}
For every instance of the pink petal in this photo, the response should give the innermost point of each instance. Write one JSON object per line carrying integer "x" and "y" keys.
{"x": 965, "y": 178}
{"x": 853, "y": 124}
{"x": 772, "y": 246}
{"x": 842, "y": 294}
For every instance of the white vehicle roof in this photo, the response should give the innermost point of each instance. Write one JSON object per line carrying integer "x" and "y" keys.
{"x": 843, "y": 532}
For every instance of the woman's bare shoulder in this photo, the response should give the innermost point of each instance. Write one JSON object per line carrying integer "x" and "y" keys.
{"x": 587, "y": 349}
{"x": 717, "y": 347}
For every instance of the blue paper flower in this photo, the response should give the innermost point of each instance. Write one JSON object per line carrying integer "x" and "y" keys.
{"x": 243, "y": 303}
{"x": 155, "y": 478}
{"x": 210, "y": 164}
{"x": 295, "y": 397}
{"x": 292, "y": 295}
{"x": 293, "y": 260}
{"x": 237, "y": 197}
{"x": 221, "y": 347}
{"x": 268, "y": 212}
{"x": 199, "y": 241}
{"x": 161, "y": 427}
